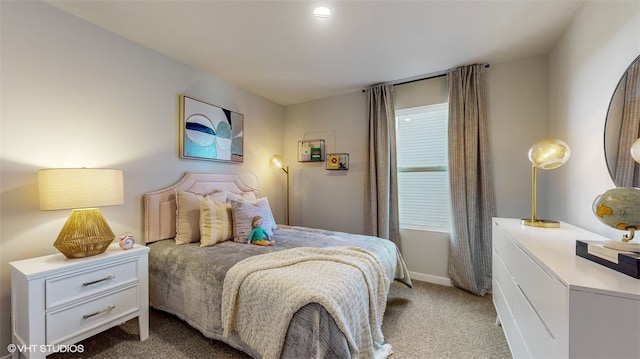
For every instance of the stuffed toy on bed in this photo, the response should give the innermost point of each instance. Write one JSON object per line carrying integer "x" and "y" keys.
{"x": 258, "y": 234}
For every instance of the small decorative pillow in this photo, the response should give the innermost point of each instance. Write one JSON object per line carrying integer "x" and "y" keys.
{"x": 243, "y": 213}
{"x": 216, "y": 222}
{"x": 187, "y": 217}
{"x": 244, "y": 196}
{"x": 220, "y": 196}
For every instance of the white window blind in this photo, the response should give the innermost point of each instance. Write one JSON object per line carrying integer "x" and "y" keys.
{"x": 423, "y": 181}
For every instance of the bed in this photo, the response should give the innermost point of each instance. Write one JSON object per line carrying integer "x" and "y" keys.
{"x": 314, "y": 294}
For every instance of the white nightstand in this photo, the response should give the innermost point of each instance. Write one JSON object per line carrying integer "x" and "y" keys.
{"x": 56, "y": 301}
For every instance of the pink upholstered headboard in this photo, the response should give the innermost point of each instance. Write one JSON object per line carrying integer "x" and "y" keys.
{"x": 160, "y": 205}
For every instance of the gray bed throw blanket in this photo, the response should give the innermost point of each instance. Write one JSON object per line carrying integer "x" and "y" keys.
{"x": 349, "y": 282}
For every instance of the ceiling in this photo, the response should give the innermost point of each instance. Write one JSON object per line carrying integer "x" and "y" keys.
{"x": 278, "y": 50}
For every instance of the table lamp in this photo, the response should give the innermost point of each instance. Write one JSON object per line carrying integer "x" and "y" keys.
{"x": 86, "y": 232}
{"x": 546, "y": 155}
{"x": 277, "y": 162}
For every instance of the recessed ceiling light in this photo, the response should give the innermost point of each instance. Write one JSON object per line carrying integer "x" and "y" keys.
{"x": 322, "y": 12}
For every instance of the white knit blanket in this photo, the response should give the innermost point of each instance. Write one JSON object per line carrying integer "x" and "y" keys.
{"x": 262, "y": 293}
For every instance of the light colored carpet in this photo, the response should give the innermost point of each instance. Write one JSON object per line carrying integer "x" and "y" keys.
{"x": 427, "y": 321}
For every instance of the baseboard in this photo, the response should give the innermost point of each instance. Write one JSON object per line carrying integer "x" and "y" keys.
{"x": 431, "y": 279}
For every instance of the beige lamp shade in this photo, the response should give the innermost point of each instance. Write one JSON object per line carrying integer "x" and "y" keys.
{"x": 68, "y": 188}
{"x": 86, "y": 232}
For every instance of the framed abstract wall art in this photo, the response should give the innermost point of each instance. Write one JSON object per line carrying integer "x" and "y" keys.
{"x": 209, "y": 132}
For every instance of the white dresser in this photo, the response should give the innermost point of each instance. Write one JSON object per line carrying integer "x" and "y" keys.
{"x": 554, "y": 304}
{"x": 56, "y": 302}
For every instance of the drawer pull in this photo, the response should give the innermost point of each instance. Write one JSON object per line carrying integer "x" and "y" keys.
{"x": 86, "y": 284}
{"x": 87, "y": 316}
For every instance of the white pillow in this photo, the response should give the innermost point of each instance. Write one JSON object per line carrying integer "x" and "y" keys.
{"x": 244, "y": 196}
{"x": 187, "y": 217}
{"x": 243, "y": 213}
{"x": 220, "y": 196}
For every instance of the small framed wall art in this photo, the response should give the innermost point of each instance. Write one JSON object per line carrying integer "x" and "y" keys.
{"x": 337, "y": 161}
{"x": 311, "y": 151}
{"x": 209, "y": 132}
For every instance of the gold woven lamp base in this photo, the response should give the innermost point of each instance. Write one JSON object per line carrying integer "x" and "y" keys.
{"x": 85, "y": 233}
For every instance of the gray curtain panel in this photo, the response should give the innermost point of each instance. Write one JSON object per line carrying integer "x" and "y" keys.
{"x": 627, "y": 173}
{"x": 471, "y": 181}
{"x": 382, "y": 185}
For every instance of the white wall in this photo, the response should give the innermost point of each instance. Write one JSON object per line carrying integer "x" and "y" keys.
{"x": 518, "y": 113}
{"x": 517, "y": 109}
{"x": 585, "y": 67}
{"x": 75, "y": 95}
{"x": 321, "y": 198}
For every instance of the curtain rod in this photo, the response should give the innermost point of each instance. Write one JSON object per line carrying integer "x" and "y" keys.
{"x": 409, "y": 80}
{"x": 421, "y": 78}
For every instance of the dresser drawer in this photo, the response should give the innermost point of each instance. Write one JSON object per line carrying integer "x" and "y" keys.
{"x": 505, "y": 292}
{"x": 540, "y": 342}
{"x": 68, "y": 288}
{"x": 545, "y": 293}
{"x": 502, "y": 278}
{"x": 67, "y": 323}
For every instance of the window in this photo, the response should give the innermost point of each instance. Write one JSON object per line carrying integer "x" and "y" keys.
{"x": 423, "y": 181}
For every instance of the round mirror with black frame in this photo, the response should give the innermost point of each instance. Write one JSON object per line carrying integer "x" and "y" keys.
{"x": 622, "y": 128}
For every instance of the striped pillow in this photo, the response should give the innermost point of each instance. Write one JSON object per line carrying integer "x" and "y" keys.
{"x": 216, "y": 223}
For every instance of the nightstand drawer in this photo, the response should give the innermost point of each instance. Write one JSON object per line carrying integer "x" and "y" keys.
{"x": 68, "y": 288}
{"x": 67, "y": 323}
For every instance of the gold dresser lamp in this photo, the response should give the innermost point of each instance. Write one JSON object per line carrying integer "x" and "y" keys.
{"x": 545, "y": 155}
{"x": 86, "y": 232}
{"x": 277, "y": 162}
